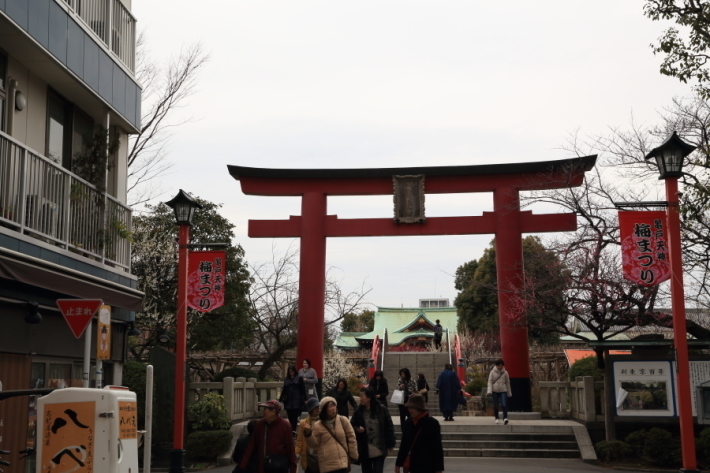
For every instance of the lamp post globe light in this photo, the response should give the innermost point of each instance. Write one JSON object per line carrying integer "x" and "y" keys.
{"x": 669, "y": 158}
{"x": 184, "y": 206}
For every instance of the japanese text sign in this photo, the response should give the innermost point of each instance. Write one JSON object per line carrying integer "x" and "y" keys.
{"x": 68, "y": 437}
{"x": 78, "y": 313}
{"x": 103, "y": 334}
{"x": 644, "y": 247}
{"x": 205, "y": 283}
{"x": 127, "y": 417}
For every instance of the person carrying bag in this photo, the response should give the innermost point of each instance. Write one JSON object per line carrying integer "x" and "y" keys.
{"x": 334, "y": 438}
{"x": 397, "y": 397}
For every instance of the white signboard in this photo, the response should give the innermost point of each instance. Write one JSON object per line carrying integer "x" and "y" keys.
{"x": 699, "y": 373}
{"x": 645, "y": 388}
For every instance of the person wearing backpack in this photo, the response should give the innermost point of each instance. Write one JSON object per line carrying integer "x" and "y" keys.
{"x": 438, "y": 334}
{"x": 308, "y": 456}
{"x": 499, "y": 387}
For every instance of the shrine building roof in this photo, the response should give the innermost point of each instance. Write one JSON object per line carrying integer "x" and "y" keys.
{"x": 401, "y": 324}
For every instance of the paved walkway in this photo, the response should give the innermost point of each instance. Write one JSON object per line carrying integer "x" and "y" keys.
{"x": 498, "y": 465}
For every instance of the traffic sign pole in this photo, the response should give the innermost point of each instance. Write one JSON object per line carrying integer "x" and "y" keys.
{"x": 78, "y": 313}
{"x": 87, "y": 355}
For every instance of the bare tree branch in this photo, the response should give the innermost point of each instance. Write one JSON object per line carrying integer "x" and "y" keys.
{"x": 165, "y": 90}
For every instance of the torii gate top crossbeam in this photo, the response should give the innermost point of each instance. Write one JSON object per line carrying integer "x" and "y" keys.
{"x": 439, "y": 179}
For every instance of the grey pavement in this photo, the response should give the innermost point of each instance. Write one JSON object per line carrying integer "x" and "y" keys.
{"x": 499, "y": 465}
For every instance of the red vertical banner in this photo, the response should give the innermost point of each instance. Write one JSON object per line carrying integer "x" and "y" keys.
{"x": 205, "y": 283}
{"x": 644, "y": 247}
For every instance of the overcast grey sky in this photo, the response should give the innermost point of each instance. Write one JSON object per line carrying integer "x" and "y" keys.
{"x": 333, "y": 84}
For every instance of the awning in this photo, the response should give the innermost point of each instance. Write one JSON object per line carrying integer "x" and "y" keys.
{"x": 36, "y": 272}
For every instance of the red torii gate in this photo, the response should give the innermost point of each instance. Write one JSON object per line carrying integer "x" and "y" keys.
{"x": 507, "y": 222}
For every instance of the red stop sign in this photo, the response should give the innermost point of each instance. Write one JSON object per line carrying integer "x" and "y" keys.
{"x": 78, "y": 313}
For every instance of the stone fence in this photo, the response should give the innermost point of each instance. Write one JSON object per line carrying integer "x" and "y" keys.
{"x": 581, "y": 399}
{"x": 241, "y": 395}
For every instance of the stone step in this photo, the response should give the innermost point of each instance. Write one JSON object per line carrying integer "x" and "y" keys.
{"x": 511, "y": 453}
{"x": 522, "y": 445}
{"x": 481, "y": 437}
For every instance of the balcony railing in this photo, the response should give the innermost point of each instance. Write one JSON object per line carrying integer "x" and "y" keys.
{"x": 44, "y": 200}
{"x": 121, "y": 39}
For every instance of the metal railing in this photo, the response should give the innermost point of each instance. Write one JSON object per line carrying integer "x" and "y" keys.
{"x": 241, "y": 396}
{"x": 448, "y": 344}
{"x": 384, "y": 344}
{"x": 121, "y": 39}
{"x": 40, "y": 198}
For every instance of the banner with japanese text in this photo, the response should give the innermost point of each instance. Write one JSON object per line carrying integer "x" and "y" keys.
{"x": 205, "y": 283}
{"x": 644, "y": 247}
{"x": 103, "y": 333}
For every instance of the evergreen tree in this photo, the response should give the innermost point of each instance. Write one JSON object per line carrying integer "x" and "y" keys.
{"x": 154, "y": 261}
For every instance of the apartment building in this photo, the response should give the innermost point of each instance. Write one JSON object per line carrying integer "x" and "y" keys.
{"x": 67, "y": 74}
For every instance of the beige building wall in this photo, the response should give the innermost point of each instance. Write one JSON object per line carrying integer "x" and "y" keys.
{"x": 29, "y": 125}
{"x": 117, "y": 178}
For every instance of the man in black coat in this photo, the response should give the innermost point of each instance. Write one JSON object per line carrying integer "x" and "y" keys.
{"x": 241, "y": 447}
{"x": 421, "y": 450}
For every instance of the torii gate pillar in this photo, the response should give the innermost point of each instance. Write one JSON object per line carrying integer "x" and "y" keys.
{"x": 507, "y": 222}
{"x": 509, "y": 272}
{"x": 311, "y": 282}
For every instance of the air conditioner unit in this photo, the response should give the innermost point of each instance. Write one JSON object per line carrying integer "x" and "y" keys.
{"x": 41, "y": 215}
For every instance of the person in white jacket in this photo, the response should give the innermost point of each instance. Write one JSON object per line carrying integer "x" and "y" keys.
{"x": 499, "y": 387}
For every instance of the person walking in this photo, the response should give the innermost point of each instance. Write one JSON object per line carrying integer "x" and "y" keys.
{"x": 409, "y": 386}
{"x": 448, "y": 387}
{"x": 334, "y": 438}
{"x": 438, "y": 334}
{"x": 374, "y": 431}
{"x": 423, "y": 387}
{"x": 379, "y": 384}
{"x": 499, "y": 387}
{"x": 343, "y": 396}
{"x": 271, "y": 442}
{"x": 310, "y": 379}
{"x": 421, "y": 450}
{"x": 293, "y": 397}
{"x": 308, "y": 456}
{"x": 241, "y": 447}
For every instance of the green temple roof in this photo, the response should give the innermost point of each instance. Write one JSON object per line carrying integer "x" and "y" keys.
{"x": 401, "y": 324}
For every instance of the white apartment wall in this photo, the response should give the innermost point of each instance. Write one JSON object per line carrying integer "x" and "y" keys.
{"x": 30, "y": 124}
{"x": 118, "y": 176}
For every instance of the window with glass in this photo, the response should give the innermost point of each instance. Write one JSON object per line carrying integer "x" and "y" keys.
{"x": 58, "y": 129}
{"x": 68, "y": 129}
